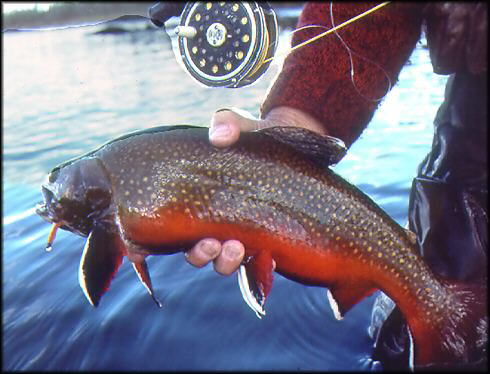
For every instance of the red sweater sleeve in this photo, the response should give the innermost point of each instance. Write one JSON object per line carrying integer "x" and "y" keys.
{"x": 316, "y": 78}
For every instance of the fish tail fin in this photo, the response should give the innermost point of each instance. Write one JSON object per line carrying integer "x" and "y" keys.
{"x": 460, "y": 335}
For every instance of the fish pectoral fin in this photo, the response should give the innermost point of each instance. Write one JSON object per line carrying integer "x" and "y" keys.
{"x": 100, "y": 261}
{"x": 327, "y": 150}
{"x": 141, "y": 269}
{"x": 255, "y": 281}
{"x": 343, "y": 297}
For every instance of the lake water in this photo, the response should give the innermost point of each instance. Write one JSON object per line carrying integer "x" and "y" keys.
{"x": 64, "y": 93}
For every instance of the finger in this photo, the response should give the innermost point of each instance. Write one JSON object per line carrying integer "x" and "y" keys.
{"x": 231, "y": 256}
{"x": 227, "y": 124}
{"x": 203, "y": 252}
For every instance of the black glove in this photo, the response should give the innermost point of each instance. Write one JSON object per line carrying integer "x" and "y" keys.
{"x": 457, "y": 36}
{"x": 162, "y": 11}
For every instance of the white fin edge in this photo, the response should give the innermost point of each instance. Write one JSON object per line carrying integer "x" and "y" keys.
{"x": 247, "y": 295}
{"x": 159, "y": 304}
{"x": 411, "y": 357}
{"x": 141, "y": 278}
{"x": 335, "y": 307}
{"x": 81, "y": 277}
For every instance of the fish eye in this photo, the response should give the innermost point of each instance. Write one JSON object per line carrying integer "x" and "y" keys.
{"x": 53, "y": 175}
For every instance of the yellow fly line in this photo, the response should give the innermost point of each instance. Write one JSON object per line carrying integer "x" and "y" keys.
{"x": 333, "y": 29}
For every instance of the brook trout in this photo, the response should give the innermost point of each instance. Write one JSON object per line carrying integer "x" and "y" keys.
{"x": 161, "y": 190}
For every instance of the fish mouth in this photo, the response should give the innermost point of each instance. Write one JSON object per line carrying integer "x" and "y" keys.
{"x": 64, "y": 213}
{"x": 42, "y": 210}
{"x": 45, "y": 209}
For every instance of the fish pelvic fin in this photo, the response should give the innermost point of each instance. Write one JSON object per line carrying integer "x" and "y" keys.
{"x": 343, "y": 297}
{"x": 255, "y": 281}
{"x": 100, "y": 261}
{"x": 141, "y": 269}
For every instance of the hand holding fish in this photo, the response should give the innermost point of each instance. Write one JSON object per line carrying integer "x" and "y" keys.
{"x": 226, "y": 257}
{"x": 226, "y": 126}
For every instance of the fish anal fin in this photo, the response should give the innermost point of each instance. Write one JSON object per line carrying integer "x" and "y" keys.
{"x": 141, "y": 269}
{"x": 101, "y": 258}
{"x": 255, "y": 280}
{"x": 343, "y": 297}
{"x": 261, "y": 268}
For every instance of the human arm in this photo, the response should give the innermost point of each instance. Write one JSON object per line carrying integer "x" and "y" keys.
{"x": 315, "y": 90}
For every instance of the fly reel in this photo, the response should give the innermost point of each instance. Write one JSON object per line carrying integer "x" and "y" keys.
{"x": 227, "y": 44}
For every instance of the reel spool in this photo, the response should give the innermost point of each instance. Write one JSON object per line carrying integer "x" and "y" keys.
{"x": 225, "y": 44}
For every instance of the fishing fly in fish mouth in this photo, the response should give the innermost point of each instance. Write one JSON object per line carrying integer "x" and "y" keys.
{"x": 160, "y": 191}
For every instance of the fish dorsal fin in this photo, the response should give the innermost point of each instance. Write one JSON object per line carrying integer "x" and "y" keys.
{"x": 324, "y": 149}
{"x": 343, "y": 297}
{"x": 100, "y": 261}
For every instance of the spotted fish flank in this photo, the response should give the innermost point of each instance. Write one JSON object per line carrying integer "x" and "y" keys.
{"x": 161, "y": 190}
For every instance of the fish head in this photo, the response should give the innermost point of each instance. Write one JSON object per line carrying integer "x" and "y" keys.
{"x": 76, "y": 194}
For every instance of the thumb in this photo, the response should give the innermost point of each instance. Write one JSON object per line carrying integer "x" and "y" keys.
{"x": 226, "y": 125}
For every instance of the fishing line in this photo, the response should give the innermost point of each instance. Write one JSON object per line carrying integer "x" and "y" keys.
{"x": 350, "y": 51}
{"x": 264, "y": 52}
{"x": 329, "y": 31}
